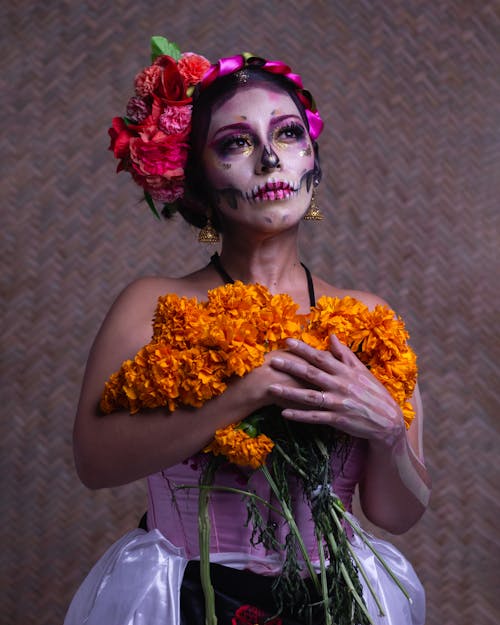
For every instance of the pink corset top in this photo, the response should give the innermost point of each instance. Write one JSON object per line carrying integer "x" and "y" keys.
{"x": 174, "y": 511}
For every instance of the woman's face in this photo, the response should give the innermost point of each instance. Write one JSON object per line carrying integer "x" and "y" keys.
{"x": 259, "y": 159}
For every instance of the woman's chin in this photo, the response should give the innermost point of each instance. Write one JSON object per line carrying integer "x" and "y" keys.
{"x": 269, "y": 215}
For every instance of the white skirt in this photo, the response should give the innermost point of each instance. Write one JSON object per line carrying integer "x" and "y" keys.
{"x": 137, "y": 582}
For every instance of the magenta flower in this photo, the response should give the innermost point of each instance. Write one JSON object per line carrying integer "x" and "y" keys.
{"x": 175, "y": 119}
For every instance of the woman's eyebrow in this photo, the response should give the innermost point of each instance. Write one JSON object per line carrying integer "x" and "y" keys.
{"x": 240, "y": 126}
{"x": 245, "y": 127}
{"x": 280, "y": 118}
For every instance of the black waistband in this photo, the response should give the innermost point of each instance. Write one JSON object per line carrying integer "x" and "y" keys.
{"x": 234, "y": 588}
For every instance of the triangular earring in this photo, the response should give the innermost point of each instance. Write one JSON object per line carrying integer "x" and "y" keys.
{"x": 313, "y": 212}
{"x": 208, "y": 234}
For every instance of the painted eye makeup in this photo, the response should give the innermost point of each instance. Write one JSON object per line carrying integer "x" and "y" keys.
{"x": 234, "y": 144}
{"x": 290, "y": 132}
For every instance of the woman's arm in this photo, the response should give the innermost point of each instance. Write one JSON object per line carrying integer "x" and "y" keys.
{"x": 396, "y": 479}
{"x": 118, "y": 448}
{"x": 395, "y": 487}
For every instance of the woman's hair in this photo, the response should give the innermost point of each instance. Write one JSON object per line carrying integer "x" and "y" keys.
{"x": 198, "y": 193}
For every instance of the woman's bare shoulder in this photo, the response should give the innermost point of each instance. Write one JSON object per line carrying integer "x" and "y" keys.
{"x": 329, "y": 290}
{"x": 129, "y": 319}
{"x": 145, "y": 291}
{"x": 190, "y": 285}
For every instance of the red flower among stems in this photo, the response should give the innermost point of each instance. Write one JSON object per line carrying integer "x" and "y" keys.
{"x": 251, "y": 615}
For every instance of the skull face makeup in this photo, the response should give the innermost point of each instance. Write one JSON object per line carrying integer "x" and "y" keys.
{"x": 258, "y": 158}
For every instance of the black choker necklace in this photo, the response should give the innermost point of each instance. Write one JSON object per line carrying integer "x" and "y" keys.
{"x": 217, "y": 265}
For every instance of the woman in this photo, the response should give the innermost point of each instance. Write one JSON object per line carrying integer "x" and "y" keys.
{"x": 252, "y": 166}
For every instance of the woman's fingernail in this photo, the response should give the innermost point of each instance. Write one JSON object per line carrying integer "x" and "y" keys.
{"x": 276, "y": 360}
{"x": 292, "y": 342}
{"x": 275, "y": 388}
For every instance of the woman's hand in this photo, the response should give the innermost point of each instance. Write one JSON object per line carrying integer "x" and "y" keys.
{"x": 336, "y": 389}
{"x": 256, "y": 384}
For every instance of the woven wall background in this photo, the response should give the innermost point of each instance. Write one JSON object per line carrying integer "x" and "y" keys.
{"x": 410, "y": 93}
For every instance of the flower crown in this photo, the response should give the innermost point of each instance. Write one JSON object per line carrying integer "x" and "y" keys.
{"x": 152, "y": 140}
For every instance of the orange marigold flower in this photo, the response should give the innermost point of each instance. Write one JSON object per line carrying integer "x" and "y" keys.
{"x": 112, "y": 395}
{"x": 408, "y": 413}
{"x": 198, "y": 346}
{"x": 178, "y": 320}
{"x": 239, "y": 448}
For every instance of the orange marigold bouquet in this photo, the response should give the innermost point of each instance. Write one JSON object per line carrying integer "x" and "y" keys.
{"x": 198, "y": 347}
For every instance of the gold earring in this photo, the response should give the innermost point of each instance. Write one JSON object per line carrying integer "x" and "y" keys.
{"x": 208, "y": 234}
{"x": 313, "y": 212}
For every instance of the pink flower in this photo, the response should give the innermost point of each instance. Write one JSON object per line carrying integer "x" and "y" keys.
{"x": 161, "y": 189}
{"x": 147, "y": 81}
{"x": 158, "y": 155}
{"x": 192, "y": 67}
{"x": 137, "y": 109}
{"x": 171, "y": 191}
{"x": 175, "y": 119}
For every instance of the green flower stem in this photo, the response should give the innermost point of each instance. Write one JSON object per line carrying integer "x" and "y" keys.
{"x": 204, "y": 539}
{"x": 293, "y": 527}
{"x": 324, "y": 584}
{"x": 338, "y": 507}
{"x": 361, "y": 568}
{"x": 296, "y": 468}
{"x": 229, "y": 489}
{"x": 388, "y": 569}
{"x": 334, "y": 547}
{"x": 322, "y": 448}
{"x": 347, "y": 578}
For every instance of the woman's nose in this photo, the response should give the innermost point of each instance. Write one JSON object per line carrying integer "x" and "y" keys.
{"x": 269, "y": 160}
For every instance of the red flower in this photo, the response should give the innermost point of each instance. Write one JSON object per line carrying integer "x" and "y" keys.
{"x": 171, "y": 87}
{"x": 192, "y": 67}
{"x": 120, "y": 138}
{"x": 250, "y": 615}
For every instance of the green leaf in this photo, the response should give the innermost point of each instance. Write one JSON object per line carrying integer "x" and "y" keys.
{"x": 161, "y": 45}
{"x": 151, "y": 204}
{"x": 250, "y": 429}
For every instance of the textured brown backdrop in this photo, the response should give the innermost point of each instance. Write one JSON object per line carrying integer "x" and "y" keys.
{"x": 410, "y": 93}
